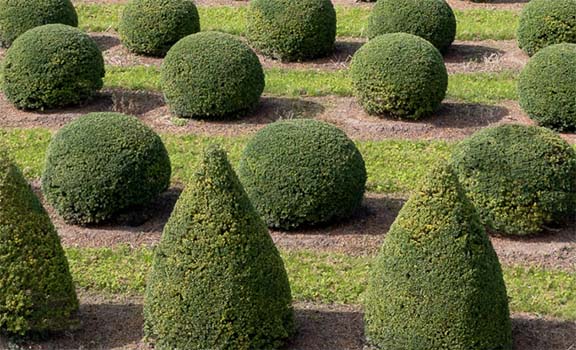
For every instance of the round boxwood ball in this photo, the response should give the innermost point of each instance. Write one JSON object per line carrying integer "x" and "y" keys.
{"x": 292, "y": 30}
{"x": 399, "y": 74}
{"x": 18, "y": 16}
{"x": 546, "y": 22}
{"x": 53, "y": 65}
{"x": 547, "y": 87}
{"x": 151, "y": 27}
{"x": 520, "y": 178}
{"x": 211, "y": 75}
{"x": 432, "y": 20}
{"x": 101, "y": 164}
{"x": 302, "y": 172}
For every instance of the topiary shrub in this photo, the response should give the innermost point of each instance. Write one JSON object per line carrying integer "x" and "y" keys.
{"x": 151, "y": 27}
{"x": 437, "y": 283}
{"x": 302, "y": 172}
{"x": 18, "y": 16}
{"x": 51, "y": 66}
{"x": 432, "y": 20}
{"x": 217, "y": 280}
{"x": 292, "y": 30}
{"x": 519, "y": 177}
{"x": 37, "y": 293}
{"x": 211, "y": 75}
{"x": 546, "y": 22}
{"x": 547, "y": 87}
{"x": 400, "y": 75}
{"x": 101, "y": 164}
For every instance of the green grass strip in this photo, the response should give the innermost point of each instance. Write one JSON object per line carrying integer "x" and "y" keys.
{"x": 322, "y": 278}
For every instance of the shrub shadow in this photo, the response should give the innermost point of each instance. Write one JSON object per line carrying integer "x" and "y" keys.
{"x": 459, "y": 53}
{"x": 465, "y": 115}
{"x": 272, "y": 109}
{"x": 105, "y": 41}
{"x": 532, "y": 333}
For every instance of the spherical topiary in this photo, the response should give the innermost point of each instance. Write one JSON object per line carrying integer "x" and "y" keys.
{"x": 18, "y": 16}
{"x": 217, "y": 280}
{"x": 437, "y": 283}
{"x": 547, "y": 87}
{"x": 292, "y": 30}
{"x": 101, "y": 164}
{"x": 399, "y": 74}
{"x": 211, "y": 75}
{"x": 302, "y": 172}
{"x": 151, "y": 27}
{"x": 52, "y": 66}
{"x": 518, "y": 177}
{"x": 432, "y": 20}
{"x": 546, "y": 22}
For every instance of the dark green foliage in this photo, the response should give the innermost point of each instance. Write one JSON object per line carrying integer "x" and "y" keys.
{"x": 302, "y": 172}
{"x": 432, "y": 20}
{"x": 36, "y": 289}
{"x": 18, "y": 16}
{"x": 151, "y": 27}
{"x": 101, "y": 164}
{"x": 52, "y": 66}
{"x": 217, "y": 280}
{"x": 211, "y": 75}
{"x": 546, "y": 22}
{"x": 399, "y": 74}
{"x": 519, "y": 177}
{"x": 547, "y": 87}
{"x": 437, "y": 283}
{"x": 292, "y": 30}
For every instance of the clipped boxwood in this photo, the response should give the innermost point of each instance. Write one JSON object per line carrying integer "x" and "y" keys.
{"x": 101, "y": 164}
{"x": 546, "y": 22}
{"x": 151, "y": 27}
{"x": 18, "y": 16}
{"x": 400, "y": 75}
{"x": 519, "y": 177}
{"x": 547, "y": 87}
{"x": 292, "y": 30}
{"x": 211, "y": 75}
{"x": 302, "y": 172}
{"x": 217, "y": 280}
{"x": 437, "y": 283}
{"x": 50, "y": 66}
{"x": 36, "y": 289}
{"x": 432, "y": 20}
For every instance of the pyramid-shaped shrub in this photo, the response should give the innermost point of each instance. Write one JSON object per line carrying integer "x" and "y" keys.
{"x": 218, "y": 281}
{"x": 437, "y": 283}
{"x": 36, "y": 289}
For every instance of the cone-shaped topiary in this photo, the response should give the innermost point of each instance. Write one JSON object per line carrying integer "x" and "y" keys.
{"x": 36, "y": 289}
{"x": 217, "y": 280}
{"x": 437, "y": 283}
{"x": 292, "y": 30}
{"x": 53, "y": 65}
{"x": 432, "y": 20}
{"x": 151, "y": 27}
{"x": 18, "y": 16}
{"x": 518, "y": 177}
{"x": 101, "y": 164}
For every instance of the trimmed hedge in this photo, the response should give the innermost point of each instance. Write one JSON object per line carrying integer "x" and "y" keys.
{"x": 151, "y": 27}
{"x": 50, "y": 66}
{"x": 18, "y": 16}
{"x": 211, "y": 75}
{"x": 520, "y": 178}
{"x": 302, "y": 172}
{"x": 37, "y": 293}
{"x": 399, "y": 74}
{"x": 432, "y": 20}
{"x": 547, "y": 87}
{"x": 546, "y": 22}
{"x": 292, "y": 30}
{"x": 217, "y": 281}
{"x": 437, "y": 283}
{"x": 101, "y": 164}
